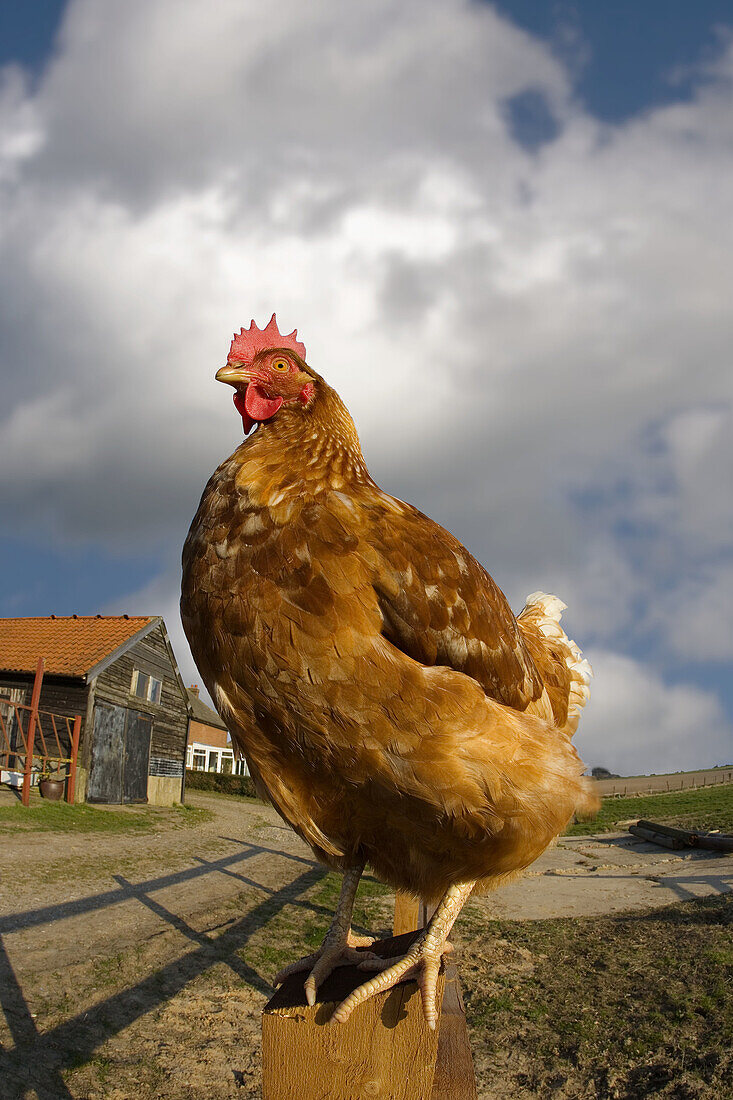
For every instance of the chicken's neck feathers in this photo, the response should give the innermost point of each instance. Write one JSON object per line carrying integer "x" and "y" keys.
{"x": 305, "y": 451}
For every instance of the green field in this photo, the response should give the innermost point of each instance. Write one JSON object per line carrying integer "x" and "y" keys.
{"x": 706, "y": 808}
{"x": 43, "y": 816}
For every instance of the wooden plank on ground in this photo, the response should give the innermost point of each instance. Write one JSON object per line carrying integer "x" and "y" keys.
{"x": 653, "y": 837}
{"x": 721, "y": 843}
{"x": 693, "y": 838}
{"x": 385, "y": 1050}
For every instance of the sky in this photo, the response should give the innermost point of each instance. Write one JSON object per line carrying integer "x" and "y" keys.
{"x": 503, "y": 232}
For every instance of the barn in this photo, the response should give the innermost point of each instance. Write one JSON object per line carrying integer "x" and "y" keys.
{"x": 120, "y": 674}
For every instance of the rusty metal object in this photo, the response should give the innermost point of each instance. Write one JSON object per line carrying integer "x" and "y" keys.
{"x": 29, "y": 736}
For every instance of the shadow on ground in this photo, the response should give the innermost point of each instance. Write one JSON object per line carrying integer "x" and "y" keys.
{"x": 73, "y": 1042}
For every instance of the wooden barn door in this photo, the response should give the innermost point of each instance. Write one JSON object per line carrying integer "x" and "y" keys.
{"x": 120, "y": 755}
{"x": 137, "y": 757}
{"x": 105, "y": 774}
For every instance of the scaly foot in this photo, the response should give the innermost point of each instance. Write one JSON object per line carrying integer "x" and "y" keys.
{"x": 337, "y": 949}
{"x": 339, "y": 946}
{"x": 422, "y": 962}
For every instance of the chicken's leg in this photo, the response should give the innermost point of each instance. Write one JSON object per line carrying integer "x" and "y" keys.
{"x": 338, "y": 947}
{"x": 422, "y": 961}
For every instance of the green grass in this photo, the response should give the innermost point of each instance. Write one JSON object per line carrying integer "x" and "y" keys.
{"x": 290, "y": 932}
{"x": 325, "y": 895}
{"x": 108, "y": 969}
{"x": 82, "y": 818}
{"x": 706, "y": 808}
{"x": 624, "y": 1007}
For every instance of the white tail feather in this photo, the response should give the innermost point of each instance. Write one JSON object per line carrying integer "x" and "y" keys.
{"x": 544, "y": 612}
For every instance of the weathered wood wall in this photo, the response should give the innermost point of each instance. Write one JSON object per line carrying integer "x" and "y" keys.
{"x": 170, "y": 716}
{"x": 71, "y": 696}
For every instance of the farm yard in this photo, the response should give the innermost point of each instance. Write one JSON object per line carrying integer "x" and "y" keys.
{"x": 139, "y": 946}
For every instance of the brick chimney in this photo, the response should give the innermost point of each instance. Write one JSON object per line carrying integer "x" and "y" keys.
{"x": 194, "y": 689}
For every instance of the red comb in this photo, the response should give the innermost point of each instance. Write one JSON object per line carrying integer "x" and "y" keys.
{"x": 251, "y": 340}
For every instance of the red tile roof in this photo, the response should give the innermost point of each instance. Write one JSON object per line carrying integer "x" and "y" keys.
{"x": 71, "y": 645}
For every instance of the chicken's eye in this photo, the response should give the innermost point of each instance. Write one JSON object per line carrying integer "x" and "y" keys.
{"x": 281, "y": 365}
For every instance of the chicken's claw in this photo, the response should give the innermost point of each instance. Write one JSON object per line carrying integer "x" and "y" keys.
{"x": 422, "y": 962}
{"x": 335, "y": 951}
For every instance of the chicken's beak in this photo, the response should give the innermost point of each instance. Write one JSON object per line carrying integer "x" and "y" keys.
{"x": 235, "y": 374}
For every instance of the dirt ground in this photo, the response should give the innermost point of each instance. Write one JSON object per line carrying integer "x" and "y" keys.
{"x": 137, "y": 966}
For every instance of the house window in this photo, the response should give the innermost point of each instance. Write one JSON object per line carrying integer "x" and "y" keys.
{"x": 199, "y": 761}
{"x": 145, "y": 687}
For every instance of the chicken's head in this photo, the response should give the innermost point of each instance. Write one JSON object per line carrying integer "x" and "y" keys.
{"x": 268, "y": 370}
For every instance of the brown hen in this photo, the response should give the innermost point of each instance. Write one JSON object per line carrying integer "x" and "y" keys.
{"x": 388, "y": 702}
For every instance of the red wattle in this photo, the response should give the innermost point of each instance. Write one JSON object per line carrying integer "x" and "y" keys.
{"x": 247, "y": 421}
{"x": 258, "y": 405}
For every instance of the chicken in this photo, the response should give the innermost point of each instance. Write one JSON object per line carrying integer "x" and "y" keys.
{"x": 389, "y": 704}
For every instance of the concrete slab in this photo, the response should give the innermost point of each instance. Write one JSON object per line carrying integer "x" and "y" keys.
{"x": 595, "y": 875}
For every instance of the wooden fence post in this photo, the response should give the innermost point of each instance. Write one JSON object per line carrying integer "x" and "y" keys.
{"x": 407, "y": 914}
{"x": 31, "y": 731}
{"x": 384, "y": 1051}
{"x": 71, "y": 785}
{"x": 454, "y": 1073}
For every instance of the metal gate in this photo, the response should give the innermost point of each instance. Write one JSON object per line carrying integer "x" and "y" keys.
{"x": 120, "y": 755}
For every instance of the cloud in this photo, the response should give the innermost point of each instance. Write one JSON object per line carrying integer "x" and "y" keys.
{"x": 695, "y": 620}
{"x": 637, "y": 723}
{"x": 159, "y": 96}
{"x": 534, "y": 341}
{"x": 160, "y": 596}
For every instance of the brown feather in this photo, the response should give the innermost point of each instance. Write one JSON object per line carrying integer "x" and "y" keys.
{"x": 370, "y": 669}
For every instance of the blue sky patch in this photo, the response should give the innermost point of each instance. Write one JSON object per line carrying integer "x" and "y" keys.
{"x": 530, "y": 119}
{"x": 629, "y": 55}
{"x": 27, "y": 31}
